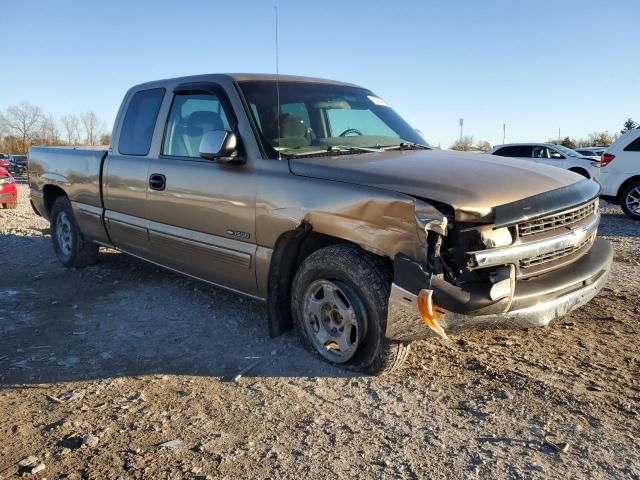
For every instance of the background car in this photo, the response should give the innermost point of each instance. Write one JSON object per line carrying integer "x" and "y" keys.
{"x": 549, "y": 154}
{"x": 18, "y": 164}
{"x": 4, "y": 160}
{"x": 620, "y": 173}
{"x": 591, "y": 152}
{"x": 8, "y": 190}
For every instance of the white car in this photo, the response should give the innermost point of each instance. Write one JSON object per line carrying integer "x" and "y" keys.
{"x": 591, "y": 152}
{"x": 549, "y": 154}
{"x": 620, "y": 173}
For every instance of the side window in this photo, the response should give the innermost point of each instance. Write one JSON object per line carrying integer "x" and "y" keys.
{"x": 515, "y": 151}
{"x": 139, "y": 121}
{"x": 633, "y": 146}
{"x": 254, "y": 109}
{"x": 191, "y": 116}
{"x": 540, "y": 152}
{"x": 556, "y": 155}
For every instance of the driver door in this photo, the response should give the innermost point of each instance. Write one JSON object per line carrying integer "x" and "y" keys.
{"x": 201, "y": 213}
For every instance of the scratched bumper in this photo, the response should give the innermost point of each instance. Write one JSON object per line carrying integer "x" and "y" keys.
{"x": 536, "y": 303}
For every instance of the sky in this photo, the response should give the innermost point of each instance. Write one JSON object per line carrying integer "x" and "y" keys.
{"x": 536, "y": 66}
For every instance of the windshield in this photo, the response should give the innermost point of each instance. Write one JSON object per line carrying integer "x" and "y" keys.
{"x": 317, "y": 116}
{"x": 567, "y": 151}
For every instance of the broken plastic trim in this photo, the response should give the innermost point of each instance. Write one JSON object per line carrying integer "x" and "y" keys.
{"x": 470, "y": 298}
{"x": 430, "y": 313}
{"x": 430, "y": 219}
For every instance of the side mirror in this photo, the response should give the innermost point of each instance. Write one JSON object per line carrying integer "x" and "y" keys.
{"x": 556, "y": 156}
{"x": 219, "y": 145}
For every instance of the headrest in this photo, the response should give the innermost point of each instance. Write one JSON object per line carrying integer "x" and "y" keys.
{"x": 205, "y": 121}
{"x": 292, "y": 126}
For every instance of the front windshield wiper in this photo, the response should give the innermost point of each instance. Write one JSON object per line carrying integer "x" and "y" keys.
{"x": 406, "y": 146}
{"x": 333, "y": 149}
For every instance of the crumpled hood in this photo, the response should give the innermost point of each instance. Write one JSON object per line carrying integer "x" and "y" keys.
{"x": 472, "y": 183}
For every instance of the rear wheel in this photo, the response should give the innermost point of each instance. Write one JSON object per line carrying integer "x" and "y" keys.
{"x": 339, "y": 304}
{"x": 630, "y": 200}
{"x": 71, "y": 248}
{"x": 580, "y": 171}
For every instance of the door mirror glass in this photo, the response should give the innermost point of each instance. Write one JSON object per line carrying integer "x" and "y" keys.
{"x": 220, "y": 145}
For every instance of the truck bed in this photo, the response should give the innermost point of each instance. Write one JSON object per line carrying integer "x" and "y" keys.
{"x": 75, "y": 170}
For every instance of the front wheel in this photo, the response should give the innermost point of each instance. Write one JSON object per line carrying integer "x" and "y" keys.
{"x": 630, "y": 200}
{"x": 71, "y": 248}
{"x": 339, "y": 304}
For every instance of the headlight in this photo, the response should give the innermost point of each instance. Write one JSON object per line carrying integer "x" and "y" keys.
{"x": 500, "y": 237}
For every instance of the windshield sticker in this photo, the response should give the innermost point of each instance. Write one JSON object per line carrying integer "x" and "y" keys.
{"x": 377, "y": 101}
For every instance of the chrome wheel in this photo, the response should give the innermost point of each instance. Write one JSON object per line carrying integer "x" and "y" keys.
{"x": 633, "y": 200}
{"x": 64, "y": 233}
{"x": 330, "y": 321}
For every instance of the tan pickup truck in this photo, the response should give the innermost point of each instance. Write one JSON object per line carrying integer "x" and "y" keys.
{"x": 318, "y": 198}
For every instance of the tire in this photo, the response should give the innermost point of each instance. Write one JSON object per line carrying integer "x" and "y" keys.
{"x": 580, "y": 171}
{"x": 630, "y": 200}
{"x": 71, "y": 248}
{"x": 339, "y": 289}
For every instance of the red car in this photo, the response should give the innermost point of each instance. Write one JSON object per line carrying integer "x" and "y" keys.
{"x": 4, "y": 160}
{"x": 8, "y": 190}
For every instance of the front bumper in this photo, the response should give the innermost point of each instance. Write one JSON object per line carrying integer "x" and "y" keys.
{"x": 8, "y": 195}
{"x": 536, "y": 301}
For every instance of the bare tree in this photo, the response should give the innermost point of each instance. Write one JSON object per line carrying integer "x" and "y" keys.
{"x": 105, "y": 139}
{"x": 483, "y": 146}
{"x": 49, "y": 134}
{"x": 463, "y": 144}
{"x": 23, "y": 121}
{"x": 93, "y": 127}
{"x": 71, "y": 126}
{"x": 4, "y": 129}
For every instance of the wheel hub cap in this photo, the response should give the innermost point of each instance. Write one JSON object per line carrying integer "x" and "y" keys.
{"x": 63, "y": 233}
{"x": 633, "y": 200}
{"x": 330, "y": 321}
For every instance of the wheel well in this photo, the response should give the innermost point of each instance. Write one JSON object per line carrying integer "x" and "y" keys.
{"x": 580, "y": 171}
{"x": 290, "y": 251}
{"x": 625, "y": 184}
{"x": 51, "y": 194}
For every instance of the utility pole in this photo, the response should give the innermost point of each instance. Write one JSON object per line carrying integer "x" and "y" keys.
{"x": 461, "y": 123}
{"x": 559, "y": 136}
{"x": 504, "y": 132}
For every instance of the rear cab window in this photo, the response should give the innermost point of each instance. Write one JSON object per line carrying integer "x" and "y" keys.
{"x": 139, "y": 122}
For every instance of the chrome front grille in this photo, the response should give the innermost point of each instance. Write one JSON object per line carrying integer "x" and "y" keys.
{"x": 546, "y": 243}
{"x": 558, "y": 220}
{"x": 556, "y": 255}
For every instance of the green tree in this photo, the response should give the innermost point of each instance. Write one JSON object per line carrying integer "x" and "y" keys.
{"x": 629, "y": 125}
{"x": 568, "y": 142}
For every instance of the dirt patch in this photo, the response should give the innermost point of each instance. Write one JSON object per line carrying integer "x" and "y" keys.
{"x": 123, "y": 370}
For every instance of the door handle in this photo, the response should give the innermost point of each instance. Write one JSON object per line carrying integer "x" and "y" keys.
{"x": 157, "y": 181}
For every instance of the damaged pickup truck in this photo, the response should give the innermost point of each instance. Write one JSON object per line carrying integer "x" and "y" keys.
{"x": 318, "y": 198}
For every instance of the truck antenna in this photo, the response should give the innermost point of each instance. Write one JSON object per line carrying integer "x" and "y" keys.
{"x": 277, "y": 84}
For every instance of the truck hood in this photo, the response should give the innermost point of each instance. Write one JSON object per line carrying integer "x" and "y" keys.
{"x": 473, "y": 184}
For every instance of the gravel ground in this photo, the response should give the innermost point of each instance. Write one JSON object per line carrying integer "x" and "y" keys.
{"x": 124, "y": 370}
